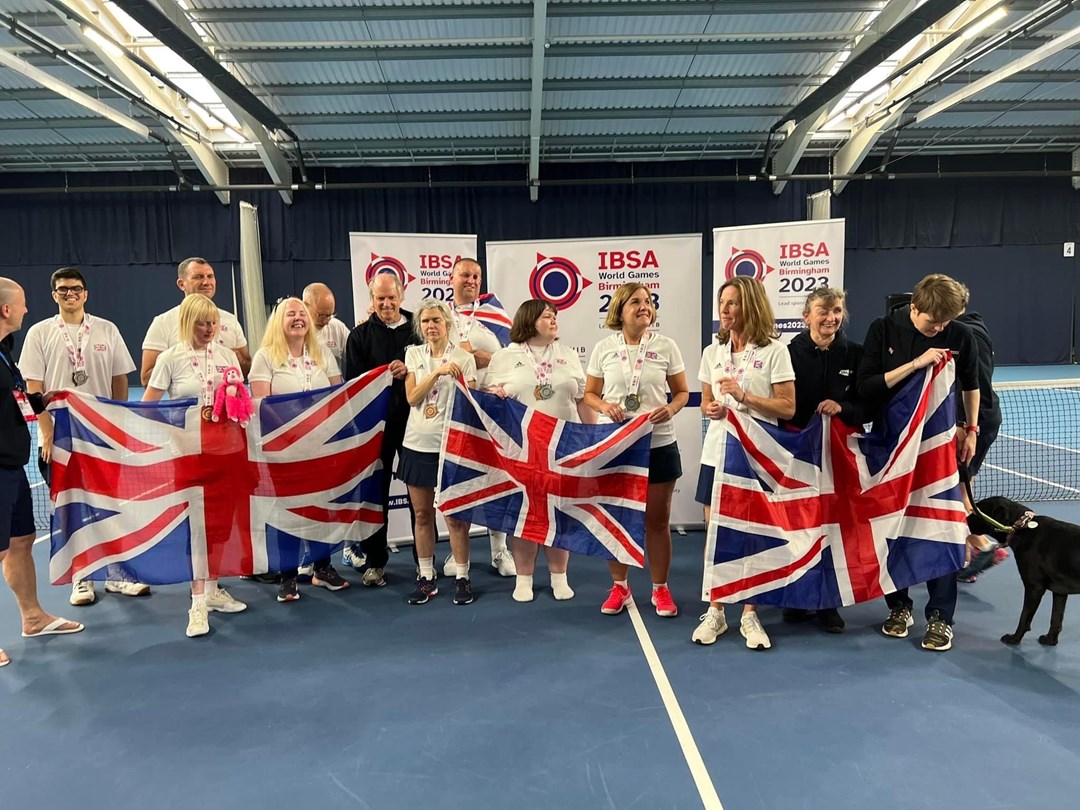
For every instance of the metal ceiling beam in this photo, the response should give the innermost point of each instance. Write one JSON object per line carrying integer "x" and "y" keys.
{"x": 536, "y": 94}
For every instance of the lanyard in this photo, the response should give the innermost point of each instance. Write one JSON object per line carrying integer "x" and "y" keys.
{"x": 633, "y": 372}
{"x": 75, "y": 350}
{"x": 464, "y": 321}
{"x": 19, "y": 382}
{"x": 433, "y": 394}
{"x": 744, "y": 372}
{"x": 303, "y": 369}
{"x": 206, "y": 378}
{"x": 542, "y": 365}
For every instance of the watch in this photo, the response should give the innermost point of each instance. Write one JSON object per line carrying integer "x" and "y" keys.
{"x": 972, "y": 429}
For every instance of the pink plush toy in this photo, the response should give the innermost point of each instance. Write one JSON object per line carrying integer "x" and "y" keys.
{"x": 233, "y": 398}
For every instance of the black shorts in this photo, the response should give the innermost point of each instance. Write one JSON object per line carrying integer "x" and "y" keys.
{"x": 16, "y": 505}
{"x": 706, "y": 475}
{"x": 665, "y": 464}
{"x": 418, "y": 469}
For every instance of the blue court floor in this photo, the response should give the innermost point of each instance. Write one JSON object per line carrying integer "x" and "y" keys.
{"x": 357, "y": 700}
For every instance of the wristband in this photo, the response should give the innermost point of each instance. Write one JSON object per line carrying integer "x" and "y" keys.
{"x": 972, "y": 429}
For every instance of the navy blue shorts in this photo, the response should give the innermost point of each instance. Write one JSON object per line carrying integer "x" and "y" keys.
{"x": 706, "y": 475}
{"x": 16, "y": 506}
{"x": 418, "y": 469}
{"x": 665, "y": 464}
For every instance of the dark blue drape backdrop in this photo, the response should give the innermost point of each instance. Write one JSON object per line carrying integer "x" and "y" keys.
{"x": 1002, "y": 237}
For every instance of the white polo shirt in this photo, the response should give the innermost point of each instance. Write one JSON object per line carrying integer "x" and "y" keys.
{"x": 424, "y": 434}
{"x": 333, "y": 337}
{"x": 173, "y": 372}
{"x": 45, "y": 355}
{"x": 284, "y": 379}
{"x": 514, "y": 368}
{"x": 164, "y": 331}
{"x": 476, "y": 335}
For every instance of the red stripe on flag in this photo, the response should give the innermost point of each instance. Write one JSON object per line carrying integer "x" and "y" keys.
{"x": 457, "y": 504}
{"x": 107, "y": 428}
{"x": 725, "y": 591}
{"x": 616, "y": 531}
{"x": 120, "y": 545}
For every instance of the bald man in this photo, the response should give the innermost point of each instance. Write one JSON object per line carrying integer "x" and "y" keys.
{"x": 16, "y": 505}
{"x": 332, "y": 334}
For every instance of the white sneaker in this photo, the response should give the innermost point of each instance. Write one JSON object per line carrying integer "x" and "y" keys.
{"x": 373, "y": 578}
{"x": 223, "y": 602}
{"x": 713, "y": 625}
{"x": 753, "y": 632}
{"x": 503, "y": 562}
{"x": 126, "y": 588}
{"x": 305, "y": 571}
{"x": 449, "y": 567}
{"x": 198, "y": 622}
{"x": 82, "y": 593}
{"x": 353, "y": 559}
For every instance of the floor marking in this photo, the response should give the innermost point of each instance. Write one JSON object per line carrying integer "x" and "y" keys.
{"x": 1032, "y": 478}
{"x": 1039, "y": 443}
{"x": 678, "y": 721}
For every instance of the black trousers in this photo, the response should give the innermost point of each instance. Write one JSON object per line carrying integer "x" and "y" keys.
{"x": 942, "y": 593}
{"x": 375, "y": 548}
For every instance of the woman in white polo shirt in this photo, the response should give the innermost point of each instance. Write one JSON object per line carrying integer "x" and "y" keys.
{"x": 630, "y": 373}
{"x": 291, "y": 360}
{"x": 194, "y": 367}
{"x": 430, "y": 373}
{"x": 539, "y": 372}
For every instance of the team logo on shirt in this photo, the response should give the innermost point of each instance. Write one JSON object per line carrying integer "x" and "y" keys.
{"x": 100, "y": 347}
{"x": 388, "y": 264}
{"x": 651, "y": 355}
{"x": 746, "y": 262}
{"x": 557, "y": 280}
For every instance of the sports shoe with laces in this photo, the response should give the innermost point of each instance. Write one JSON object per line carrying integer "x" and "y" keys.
{"x": 353, "y": 557}
{"x": 503, "y": 562}
{"x": 328, "y": 577}
{"x": 753, "y": 632}
{"x": 287, "y": 591}
{"x": 938, "y": 636}
{"x": 425, "y": 589}
{"x": 198, "y": 622}
{"x": 898, "y": 623}
{"x": 664, "y": 604}
{"x": 713, "y": 625}
{"x": 830, "y": 620}
{"x": 82, "y": 593}
{"x": 373, "y": 578}
{"x": 463, "y": 594}
{"x": 221, "y": 601}
{"x": 618, "y": 599}
{"x": 126, "y": 588}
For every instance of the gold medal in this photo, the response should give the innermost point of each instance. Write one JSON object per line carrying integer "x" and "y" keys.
{"x": 207, "y": 413}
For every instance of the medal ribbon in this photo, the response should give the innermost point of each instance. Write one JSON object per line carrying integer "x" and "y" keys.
{"x": 75, "y": 351}
{"x": 303, "y": 369}
{"x": 633, "y": 373}
{"x": 433, "y": 394}
{"x": 542, "y": 366}
{"x": 464, "y": 320}
{"x": 742, "y": 374}
{"x": 206, "y": 379}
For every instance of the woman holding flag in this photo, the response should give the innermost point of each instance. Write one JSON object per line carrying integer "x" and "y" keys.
{"x": 629, "y": 374}
{"x": 431, "y": 370}
{"x": 748, "y": 369}
{"x": 194, "y": 367}
{"x": 541, "y": 373}
{"x": 290, "y": 360}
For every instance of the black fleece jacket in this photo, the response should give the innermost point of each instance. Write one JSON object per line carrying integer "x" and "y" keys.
{"x": 822, "y": 374}
{"x": 14, "y": 435}
{"x": 373, "y": 344}
{"x": 989, "y": 407}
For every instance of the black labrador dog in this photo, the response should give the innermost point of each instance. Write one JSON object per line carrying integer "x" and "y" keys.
{"x": 1047, "y": 553}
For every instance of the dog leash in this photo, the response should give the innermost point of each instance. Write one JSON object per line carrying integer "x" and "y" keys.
{"x": 1022, "y": 522}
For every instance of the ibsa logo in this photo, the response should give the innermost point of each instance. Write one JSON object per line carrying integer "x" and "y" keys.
{"x": 388, "y": 264}
{"x": 556, "y": 280}
{"x": 749, "y": 263}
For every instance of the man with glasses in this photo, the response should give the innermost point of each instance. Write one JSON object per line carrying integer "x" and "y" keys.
{"x": 332, "y": 334}
{"x": 73, "y": 351}
{"x": 16, "y": 504}
{"x": 194, "y": 275}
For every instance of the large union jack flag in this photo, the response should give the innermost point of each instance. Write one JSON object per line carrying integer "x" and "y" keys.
{"x": 489, "y": 311}
{"x": 570, "y": 486}
{"x": 152, "y": 492}
{"x": 830, "y": 516}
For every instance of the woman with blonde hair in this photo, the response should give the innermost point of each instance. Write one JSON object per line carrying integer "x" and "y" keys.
{"x": 195, "y": 367}
{"x": 290, "y": 360}
{"x": 630, "y": 373}
{"x": 748, "y": 369}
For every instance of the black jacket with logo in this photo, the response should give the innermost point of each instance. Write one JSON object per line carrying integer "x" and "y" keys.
{"x": 14, "y": 435}
{"x": 822, "y": 374}
{"x": 373, "y": 344}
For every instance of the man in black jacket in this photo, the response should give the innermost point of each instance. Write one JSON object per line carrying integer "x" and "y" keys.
{"x": 16, "y": 504}
{"x": 896, "y": 347}
{"x": 378, "y": 341}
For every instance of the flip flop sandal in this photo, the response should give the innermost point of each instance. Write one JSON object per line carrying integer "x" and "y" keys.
{"x": 6, "y": 660}
{"x": 53, "y": 628}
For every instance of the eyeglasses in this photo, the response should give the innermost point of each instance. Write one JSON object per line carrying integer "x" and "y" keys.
{"x": 64, "y": 292}
{"x": 325, "y": 316}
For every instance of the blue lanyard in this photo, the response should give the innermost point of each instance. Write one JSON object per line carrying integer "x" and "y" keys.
{"x": 20, "y": 383}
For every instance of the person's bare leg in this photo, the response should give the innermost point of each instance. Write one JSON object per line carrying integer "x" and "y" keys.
{"x": 22, "y": 579}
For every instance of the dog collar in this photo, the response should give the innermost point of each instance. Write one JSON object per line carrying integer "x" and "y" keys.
{"x": 1025, "y": 521}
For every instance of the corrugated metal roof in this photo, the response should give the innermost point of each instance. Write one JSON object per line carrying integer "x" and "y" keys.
{"x": 628, "y": 67}
{"x": 608, "y": 99}
{"x": 464, "y": 102}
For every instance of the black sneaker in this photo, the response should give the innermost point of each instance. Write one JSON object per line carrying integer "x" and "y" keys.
{"x": 795, "y": 615}
{"x": 830, "y": 620}
{"x": 463, "y": 594}
{"x": 898, "y": 623}
{"x": 938, "y": 634}
{"x": 328, "y": 577}
{"x": 287, "y": 591}
{"x": 425, "y": 589}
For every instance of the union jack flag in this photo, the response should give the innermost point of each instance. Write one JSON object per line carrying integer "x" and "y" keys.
{"x": 489, "y": 311}
{"x": 154, "y": 491}
{"x": 830, "y": 516}
{"x": 561, "y": 484}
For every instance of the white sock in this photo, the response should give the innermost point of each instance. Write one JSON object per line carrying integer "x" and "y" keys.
{"x": 623, "y": 583}
{"x": 427, "y": 567}
{"x": 656, "y": 585}
{"x": 211, "y": 586}
{"x": 198, "y": 600}
{"x": 560, "y": 587}
{"x": 462, "y": 570}
{"x": 523, "y": 590}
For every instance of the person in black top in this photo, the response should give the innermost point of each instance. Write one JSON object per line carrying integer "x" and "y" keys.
{"x": 825, "y": 364}
{"x": 380, "y": 340}
{"x": 896, "y": 347}
{"x": 16, "y": 505}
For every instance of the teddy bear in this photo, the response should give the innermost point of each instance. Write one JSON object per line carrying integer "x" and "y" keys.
{"x": 233, "y": 398}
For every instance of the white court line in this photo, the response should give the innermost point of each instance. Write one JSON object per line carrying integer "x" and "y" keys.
{"x": 38, "y": 484}
{"x": 1041, "y": 444}
{"x": 678, "y": 721}
{"x": 1032, "y": 478}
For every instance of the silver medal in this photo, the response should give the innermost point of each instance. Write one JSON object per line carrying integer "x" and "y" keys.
{"x": 79, "y": 377}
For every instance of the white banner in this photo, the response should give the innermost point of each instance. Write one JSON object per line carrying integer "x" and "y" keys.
{"x": 422, "y": 262}
{"x": 580, "y": 276}
{"x": 790, "y": 258}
